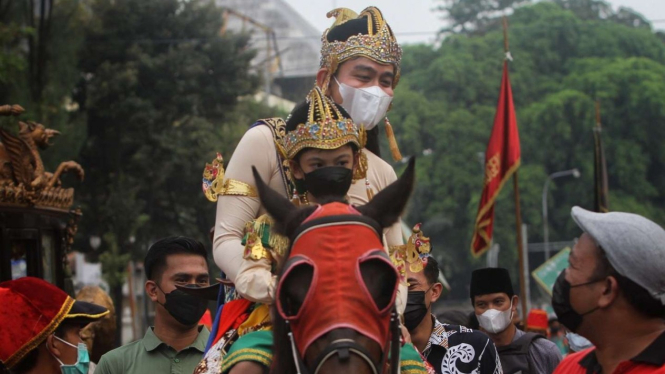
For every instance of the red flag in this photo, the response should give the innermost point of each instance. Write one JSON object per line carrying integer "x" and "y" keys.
{"x": 502, "y": 159}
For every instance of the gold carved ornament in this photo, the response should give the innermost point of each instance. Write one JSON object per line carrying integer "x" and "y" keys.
{"x": 23, "y": 178}
{"x": 260, "y": 242}
{"x": 215, "y": 185}
{"x": 414, "y": 253}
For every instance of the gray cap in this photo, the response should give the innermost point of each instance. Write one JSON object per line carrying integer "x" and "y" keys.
{"x": 634, "y": 245}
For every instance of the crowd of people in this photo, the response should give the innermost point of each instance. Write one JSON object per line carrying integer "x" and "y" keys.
{"x": 609, "y": 302}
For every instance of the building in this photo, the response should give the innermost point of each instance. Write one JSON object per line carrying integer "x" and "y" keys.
{"x": 287, "y": 45}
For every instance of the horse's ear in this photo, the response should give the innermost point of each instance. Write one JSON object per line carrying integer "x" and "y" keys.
{"x": 279, "y": 207}
{"x": 387, "y": 206}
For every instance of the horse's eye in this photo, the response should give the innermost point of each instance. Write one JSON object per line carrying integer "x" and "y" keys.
{"x": 295, "y": 288}
{"x": 379, "y": 278}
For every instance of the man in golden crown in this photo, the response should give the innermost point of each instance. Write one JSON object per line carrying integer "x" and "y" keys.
{"x": 360, "y": 67}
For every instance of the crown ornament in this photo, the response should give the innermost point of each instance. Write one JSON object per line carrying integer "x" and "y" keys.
{"x": 326, "y": 128}
{"x": 379, "y": 44}
{"x": 415, "y": 252}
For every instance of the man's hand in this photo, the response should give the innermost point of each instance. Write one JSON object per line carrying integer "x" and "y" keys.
{"x": 406, "y": 337}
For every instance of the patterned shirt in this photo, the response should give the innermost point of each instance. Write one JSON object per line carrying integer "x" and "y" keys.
{"x": 453, "y": 349}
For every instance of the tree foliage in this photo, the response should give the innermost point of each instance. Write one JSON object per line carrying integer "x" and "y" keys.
{"x": 565, "y": 58}
{"x": 474, "y": 16}
{"x": 160, "y": 95}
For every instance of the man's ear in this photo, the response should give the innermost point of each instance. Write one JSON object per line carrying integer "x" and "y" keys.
{"x": 296, "y": 170}
{"x": 53, "y": 345}
{"x": 437, "y": 289}
{"x": 610, "y": 292}
{"x": 321, "y": 76}
{"x": 151, "y": 290}
{"x": 516, "y": 302}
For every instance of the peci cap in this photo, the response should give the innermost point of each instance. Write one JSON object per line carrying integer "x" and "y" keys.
{"x": 490, "y": 280}
{"x": 634, "y": 246}
{"x": 37, "y": 309}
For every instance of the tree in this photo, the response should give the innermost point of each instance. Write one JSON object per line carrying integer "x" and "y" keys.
{"x": 161, "y": 95}
{"x": 38, "y": 67}
{"x": 563, "y": 62}
{"x": 474, "y": 16}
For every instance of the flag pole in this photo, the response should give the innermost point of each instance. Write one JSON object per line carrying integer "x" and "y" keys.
{"x": 518, "y": 213}
{"x": 601, "y": 198}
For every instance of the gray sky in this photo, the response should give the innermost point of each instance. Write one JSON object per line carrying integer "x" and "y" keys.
{"x": 414, "y": 20}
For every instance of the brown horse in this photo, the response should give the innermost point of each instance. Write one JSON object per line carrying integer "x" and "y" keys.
{"x": 334, "y": 306}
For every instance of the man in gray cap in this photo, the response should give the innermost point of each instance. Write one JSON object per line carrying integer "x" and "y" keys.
{"x": 613, "y": 293}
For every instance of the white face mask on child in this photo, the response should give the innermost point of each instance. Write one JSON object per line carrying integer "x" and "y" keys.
{"x": 366, "y": 106}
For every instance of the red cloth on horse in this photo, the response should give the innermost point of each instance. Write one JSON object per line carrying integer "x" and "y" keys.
{"x": 338, "y": 297}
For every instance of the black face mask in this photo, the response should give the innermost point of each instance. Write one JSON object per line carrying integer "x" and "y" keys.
{"x": 329, "y": 181}
{"x": 565, "y": 313}
{"x": 185, "y": 308}
{"x": 416, "y": 309}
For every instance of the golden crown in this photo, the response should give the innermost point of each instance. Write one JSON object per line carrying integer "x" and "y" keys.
{"x": 326, "y": 128}
{"x": 379, "y": 44}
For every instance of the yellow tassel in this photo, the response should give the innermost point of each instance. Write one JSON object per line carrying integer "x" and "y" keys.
{"x": 368, "y": 189}
{"x": 392, "y": 142}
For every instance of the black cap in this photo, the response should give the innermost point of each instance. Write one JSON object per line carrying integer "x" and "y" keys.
{"x": 490, "y": 280}
{"x": 83, "y": 313}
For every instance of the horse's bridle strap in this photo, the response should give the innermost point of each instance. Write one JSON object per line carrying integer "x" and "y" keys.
{"x": 343, "y": 348}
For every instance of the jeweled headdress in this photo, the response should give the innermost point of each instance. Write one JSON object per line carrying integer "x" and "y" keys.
{"x": 377, "y": 44}
{"x": 415, "y": 252}
{"x": 325, "y": 128}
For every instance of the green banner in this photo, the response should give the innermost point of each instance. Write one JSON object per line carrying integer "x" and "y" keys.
{"x": 547, "y": 273}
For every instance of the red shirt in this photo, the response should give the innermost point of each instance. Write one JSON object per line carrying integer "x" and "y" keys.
{"x": 651, "y": 360}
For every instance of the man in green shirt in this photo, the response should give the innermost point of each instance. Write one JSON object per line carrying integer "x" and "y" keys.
{"x": 176, "y": 343}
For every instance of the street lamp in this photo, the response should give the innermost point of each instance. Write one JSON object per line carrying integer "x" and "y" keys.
{"x": 95, "y": 242}
{"x": 575, "y": 173}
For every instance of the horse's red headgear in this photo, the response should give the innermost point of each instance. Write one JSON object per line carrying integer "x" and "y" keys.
{"x": 338, "y": 297}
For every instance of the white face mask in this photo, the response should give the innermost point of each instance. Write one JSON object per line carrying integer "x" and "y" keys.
{"x": 366, "y": 106}
{"x": 577, "y": 342}
{"x": 495, "y": 321}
